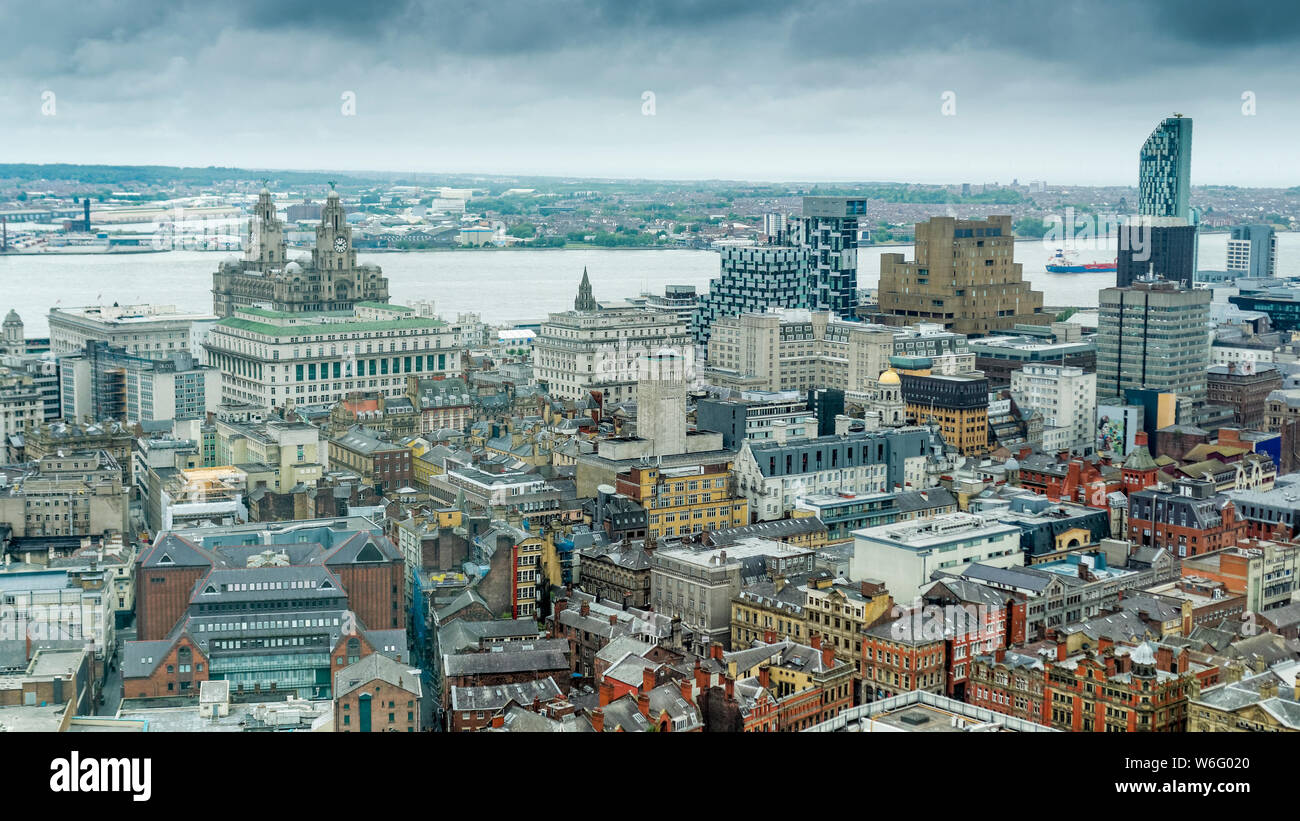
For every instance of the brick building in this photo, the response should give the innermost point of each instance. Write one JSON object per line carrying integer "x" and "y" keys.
{"x": 512, "y": 662}
{"x": 377, "y": 694}
{"x": 1115, "y": 688}
{"x": 807, "y": 682}
{"x": 1244, "y": 387}
{"x": 1187, "y": 521}
{"x": 386, "y": 464}
{"x": 898, "y": 659}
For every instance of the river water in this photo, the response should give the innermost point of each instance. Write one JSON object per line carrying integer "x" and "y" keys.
{"x": 502, "y": 285}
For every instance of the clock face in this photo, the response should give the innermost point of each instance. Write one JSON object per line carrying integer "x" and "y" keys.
{"x": 340, "y": 244}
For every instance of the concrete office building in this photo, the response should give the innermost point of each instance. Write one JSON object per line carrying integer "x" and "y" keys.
{"x": 661, "y": 402}
{"x": 149, "y": 331}
{"x": 997, "y": 357}
{"x": 110, "y": 383}
{"x": 798, "y": 350}
{"x": 1153, "y": 335}
{"x": 582, "y": 352}
{"x": 773, "y": 475}
{"x": 964, "y": 277}
{"x": 276, "y": 359}
{"x": 697, "y": 586}
{"x": 905, "y": 554}
{"x": 679, "y": 300}
{"x": 752, "y": 416}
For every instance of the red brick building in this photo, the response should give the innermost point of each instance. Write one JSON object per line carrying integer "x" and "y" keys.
{"x": 1084, "y": 481}
{"x": 1142, "y": 688}
{"x": 377, "y": 694}
{"x": 896, "y": 658}
{"x": 1187, "y": 521}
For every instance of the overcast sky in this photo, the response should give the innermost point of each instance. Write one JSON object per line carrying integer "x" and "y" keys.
{"x": 810, "y": 90}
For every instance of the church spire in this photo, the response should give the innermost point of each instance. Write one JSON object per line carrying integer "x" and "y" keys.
{"x": 585, "y": 301}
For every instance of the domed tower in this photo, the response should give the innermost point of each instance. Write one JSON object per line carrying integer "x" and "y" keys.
{"x": 265, "y": 245}
{"x": 1143, "y": 658}
{"x": 13, "y": 333}
{"x": 889, "y": 400}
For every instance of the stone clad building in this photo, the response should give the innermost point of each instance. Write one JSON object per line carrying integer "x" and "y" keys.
{"x": 331, "y": 280}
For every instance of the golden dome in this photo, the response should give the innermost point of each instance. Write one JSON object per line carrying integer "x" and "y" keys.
{"x": 890, "y": 377}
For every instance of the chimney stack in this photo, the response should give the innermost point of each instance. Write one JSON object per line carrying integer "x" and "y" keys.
{"x": 598, "y": 720}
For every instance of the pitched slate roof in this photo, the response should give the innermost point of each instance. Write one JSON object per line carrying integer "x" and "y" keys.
{"x": 376, "y": 667}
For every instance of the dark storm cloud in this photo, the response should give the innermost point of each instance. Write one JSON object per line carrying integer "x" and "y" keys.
{"x": 743, "y": 86}
{"x": 1133, "y": 33}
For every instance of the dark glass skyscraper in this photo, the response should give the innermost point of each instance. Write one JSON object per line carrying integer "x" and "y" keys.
{"x": 830, "y": 234}
{"x": 1165, "y": 170}
{"x": 1168, "y": 251}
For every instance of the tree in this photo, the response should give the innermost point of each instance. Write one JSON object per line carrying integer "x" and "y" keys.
{"x": 1030, "y": 227}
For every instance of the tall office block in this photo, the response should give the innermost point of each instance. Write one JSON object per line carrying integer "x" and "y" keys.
{"x": 830, "y": 235}
{"x": 1154, "y": 335}
{"x": 1160, "y": 246}
{"x": 1252, "y": 251}
{"x": 1165, "y": 170}
{"x": 964, "y": 277}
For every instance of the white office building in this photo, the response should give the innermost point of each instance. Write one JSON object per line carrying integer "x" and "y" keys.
{"x": 906, "y": 554}
{"x": 151, "y": 331}
{"x": 578, "y": 352}
{"x": 1066, "y": 397}
{"x": 275, "y": 359}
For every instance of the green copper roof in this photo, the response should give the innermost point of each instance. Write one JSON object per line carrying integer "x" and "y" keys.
{"x": 266, "y": 329}
{"x": 384, "y": 306}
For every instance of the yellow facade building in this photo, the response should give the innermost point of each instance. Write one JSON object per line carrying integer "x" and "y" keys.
{"x": 684, "y": 500}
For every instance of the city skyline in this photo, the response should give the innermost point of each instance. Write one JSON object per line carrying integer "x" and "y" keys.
{"x": 513, "y": 91}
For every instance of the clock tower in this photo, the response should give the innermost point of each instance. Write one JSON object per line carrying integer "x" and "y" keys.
{"x": 333, "y": 251}
{"x": 331, "y": 280}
